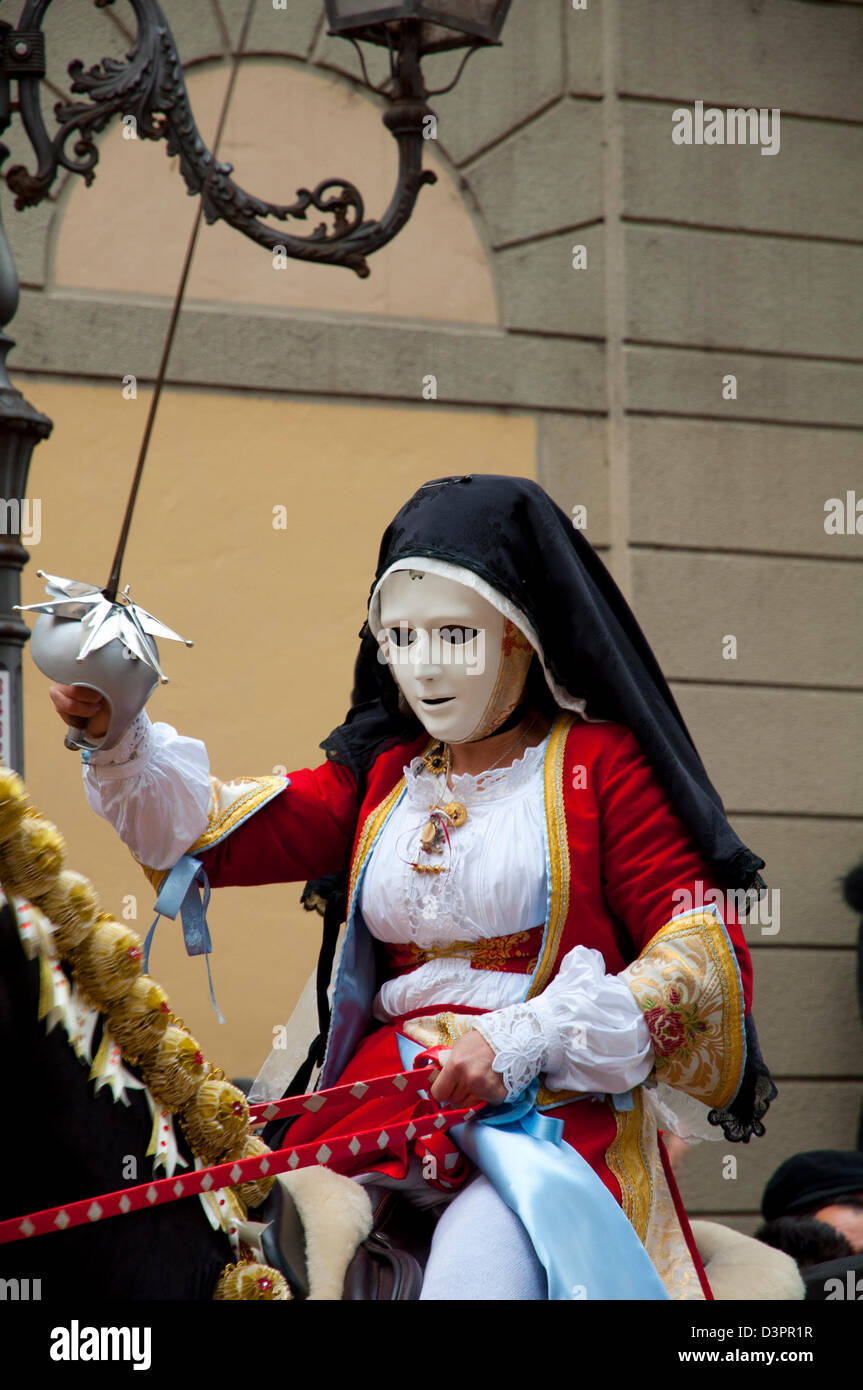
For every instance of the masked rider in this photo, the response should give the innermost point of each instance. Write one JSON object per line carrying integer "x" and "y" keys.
{"x": 535, "y": 867}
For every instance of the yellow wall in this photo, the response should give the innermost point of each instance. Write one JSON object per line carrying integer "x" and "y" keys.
{"x": 274, "y": 615}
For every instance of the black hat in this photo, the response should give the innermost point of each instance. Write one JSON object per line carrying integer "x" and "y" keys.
{"x": 813, "y": 1179}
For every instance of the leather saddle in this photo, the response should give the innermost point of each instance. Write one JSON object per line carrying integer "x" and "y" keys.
{"x": 388, "y": 1265}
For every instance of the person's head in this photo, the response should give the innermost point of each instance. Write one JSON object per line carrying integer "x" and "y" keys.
{"x": 805, "y": 1239}
{"x": 823, "y": 1184}
{"x": 845, "y": 1215}
{"x": 459, "y": 663}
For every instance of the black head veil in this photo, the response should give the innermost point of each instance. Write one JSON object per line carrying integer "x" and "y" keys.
{"x": 511, "y": 534}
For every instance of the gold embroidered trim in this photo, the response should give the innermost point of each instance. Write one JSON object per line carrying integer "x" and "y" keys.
{"x": 634, "y": 1159}
{"x": 230, "y": 803}
{"x": 627, "y": 1160}
{"x": 251, "y": 791}
{"x": 155, "y": 876}
{"x": 687, "y": 984}
{"x": 451, "y": 1027}
{"x": 558, "y": 850}
{"x": 665, "y": 1242}
{"x": 437, "y": 1030}
{"x": 514, "y": 954}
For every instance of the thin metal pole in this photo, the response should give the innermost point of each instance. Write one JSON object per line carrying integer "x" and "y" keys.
{"x": 113, "y": 584}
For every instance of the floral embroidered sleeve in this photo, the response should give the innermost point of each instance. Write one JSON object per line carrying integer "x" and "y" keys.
{"x": 688, "y": 986}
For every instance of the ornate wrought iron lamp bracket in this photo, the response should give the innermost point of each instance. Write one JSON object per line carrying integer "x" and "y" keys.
{"x": 149, "y": 86}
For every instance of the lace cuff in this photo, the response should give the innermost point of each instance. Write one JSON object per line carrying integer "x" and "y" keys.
{"x": 128, "y": 756}
{"x": 520, "y": 1044}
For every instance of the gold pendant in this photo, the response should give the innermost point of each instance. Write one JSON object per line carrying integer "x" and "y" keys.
{"x": 433, "y": 833}
{"x": 428, "y": 834}
{"x": 436, "y": 758}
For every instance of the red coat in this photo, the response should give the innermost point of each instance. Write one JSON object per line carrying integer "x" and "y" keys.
{"x": 621, "y": 863}
{"x": 627, "y": 850}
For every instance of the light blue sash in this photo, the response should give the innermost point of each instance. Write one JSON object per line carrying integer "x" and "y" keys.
{"x": 586, "y": 1245}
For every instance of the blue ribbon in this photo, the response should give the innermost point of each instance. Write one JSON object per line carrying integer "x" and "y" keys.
{"x": 623, "y": 1101}
{"x": 522, "y": 1111}
{"x": 582, "y": 1238}
{"x": 180, "y": 894}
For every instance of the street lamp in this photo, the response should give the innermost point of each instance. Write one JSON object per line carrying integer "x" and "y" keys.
{"x": 448, "y": 24}
{"x": 149, "y": 86}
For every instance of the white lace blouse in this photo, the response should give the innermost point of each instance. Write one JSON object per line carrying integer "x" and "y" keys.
{"x": 585, "y": 1030}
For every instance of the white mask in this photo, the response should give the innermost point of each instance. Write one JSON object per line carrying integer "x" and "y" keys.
{"x": 459, "y": 663}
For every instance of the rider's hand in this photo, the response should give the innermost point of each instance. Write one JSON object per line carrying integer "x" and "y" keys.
{"x": 74, "y": 702}
{"x": 466, "y": 1077}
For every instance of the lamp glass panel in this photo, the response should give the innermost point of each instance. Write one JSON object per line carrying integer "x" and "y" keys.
{"x": 341, "y": 11}
{"x": 479, "y": 13}
{"x": 481, "y": 18}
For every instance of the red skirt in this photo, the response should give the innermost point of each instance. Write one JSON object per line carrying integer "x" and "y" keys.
{"x": 589, "y": 1126}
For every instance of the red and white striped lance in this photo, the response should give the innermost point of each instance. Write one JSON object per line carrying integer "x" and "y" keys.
{"x": 338, "y": 1098}
{"x": 337, "y": 1150}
